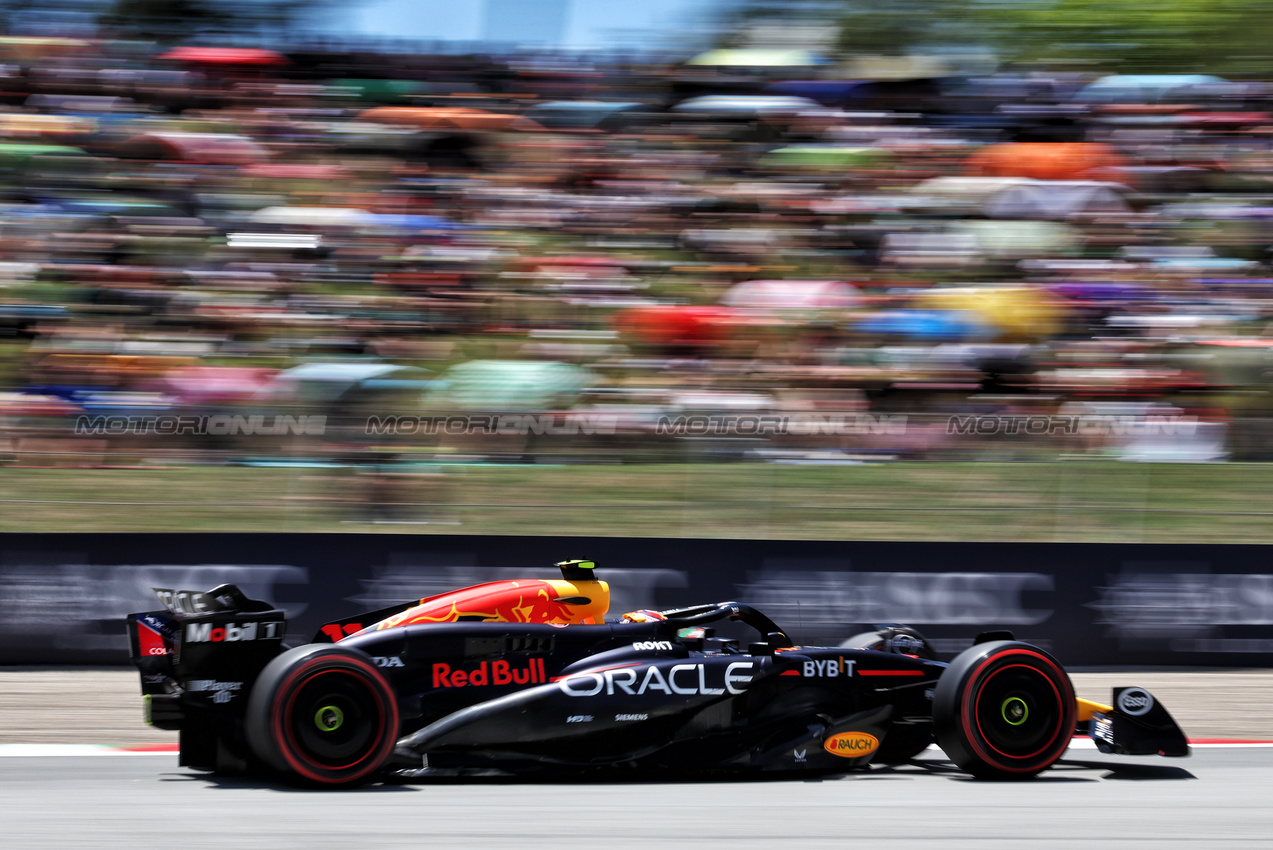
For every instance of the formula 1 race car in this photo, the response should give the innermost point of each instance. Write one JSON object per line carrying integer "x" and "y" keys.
{"x": 528, "y": 676}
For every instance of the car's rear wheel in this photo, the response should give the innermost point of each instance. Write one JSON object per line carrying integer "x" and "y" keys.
{"x": 1004, "y": 710}
{"x": 323, "y": 714}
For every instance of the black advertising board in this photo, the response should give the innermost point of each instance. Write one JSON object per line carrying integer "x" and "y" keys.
{"x": 63, "y": 597}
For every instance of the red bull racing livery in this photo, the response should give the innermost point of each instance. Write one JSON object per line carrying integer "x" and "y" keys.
{"x": 530, "y": 676}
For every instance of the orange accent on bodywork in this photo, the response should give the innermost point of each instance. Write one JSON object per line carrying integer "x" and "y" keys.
{"x": 522, "y": 601}
{"x": 851, "y": 744}
{"x": 1087, "y": 708}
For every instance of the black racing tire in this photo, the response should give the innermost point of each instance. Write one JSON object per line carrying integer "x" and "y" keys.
{"x": 1004, "y": 710}
{"x": 324, "y": 715}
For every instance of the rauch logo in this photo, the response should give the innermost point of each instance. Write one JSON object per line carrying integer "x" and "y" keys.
{"x": 851, "y": 745}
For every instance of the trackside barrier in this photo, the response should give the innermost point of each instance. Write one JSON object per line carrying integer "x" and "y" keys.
{"x": 63, "y": 596}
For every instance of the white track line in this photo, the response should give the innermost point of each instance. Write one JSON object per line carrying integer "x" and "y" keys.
{"x": 43, "y": 750}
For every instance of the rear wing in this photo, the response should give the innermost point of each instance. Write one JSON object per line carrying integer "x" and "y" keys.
{"x": 201, "y": 647}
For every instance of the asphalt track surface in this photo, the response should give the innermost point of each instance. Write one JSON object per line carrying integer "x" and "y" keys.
{"x": 1217, "y": 798}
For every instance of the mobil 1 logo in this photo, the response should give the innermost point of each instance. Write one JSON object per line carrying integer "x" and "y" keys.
{"x": 233, "y": 632}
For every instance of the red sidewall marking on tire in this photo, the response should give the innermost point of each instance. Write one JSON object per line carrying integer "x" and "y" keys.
{"x": 380, "y": 715}
{"x": 1059, "y": 703}
{"x": 290, "y": 749}
{"x": 968, "y": 704}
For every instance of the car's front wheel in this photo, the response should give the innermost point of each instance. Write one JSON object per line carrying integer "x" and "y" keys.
{"x": 323, "y": 714}
{"x": 1004, "y": 710}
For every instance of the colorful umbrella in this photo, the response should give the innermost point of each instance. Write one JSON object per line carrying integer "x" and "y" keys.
{"x": 1015, "y": 311}
{"x": 204, "y": 148}
{"x": 195, "y": 55}
{"x": 216, "y": 384}
{"x": 1141, "y": 88}
{"x": 1100, "y": 291}
{"x": 1047, "y": 161}
{"x": 670, "y": 325}
{"x": 19, "y": 125}
{"x": 383, "y": 91}
{"x": 758, "y": 58}
{"x": 40, "y": 158}
{"x": 450, "y": 118}
{"x": 1019, "y": 239}
{"x": 495, "y": 385}
{"x": 580, "y": 114}
{"x": 793, "y": 295}
{"x": 329, "y": 381}
{"x": 825, "y": 157}
{"x": 956, "y": 325}
{"x": 313, "y": 216}
{"x": 30, "y": 404}
{"x": 747, "y": 104}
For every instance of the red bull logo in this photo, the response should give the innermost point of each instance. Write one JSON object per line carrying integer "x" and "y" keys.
{"x": 851, "y": 745}
{"x": 490, "y": 673}
{"x": 528, "y": 601}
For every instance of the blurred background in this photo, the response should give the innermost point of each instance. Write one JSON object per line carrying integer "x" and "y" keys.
{"x": 807, "y": 269}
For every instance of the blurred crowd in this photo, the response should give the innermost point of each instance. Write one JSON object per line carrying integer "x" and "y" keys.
{"x": 213, "y": 254}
